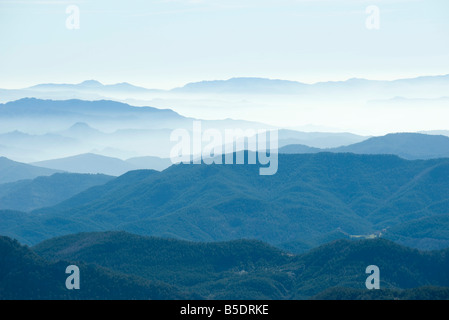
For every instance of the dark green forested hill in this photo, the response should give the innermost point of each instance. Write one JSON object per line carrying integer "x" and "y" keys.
{"x": 313, "y": 199}
{"x": 27, "y": 195}
{"x": 421, "y": 293}
{"x": 247, "y": 269}
{"x": 25, "y": 275}
{"x": 342, "y": 263}
{"x": 240, "y": 269}
{"x": 426, "y": 233}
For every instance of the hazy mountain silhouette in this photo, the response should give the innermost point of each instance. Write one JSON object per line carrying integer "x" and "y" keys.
{"x": 426, "y": 87}
{"x": 11, "y": 171}
{"x": 298, "y": 149}
{"x": 274, "y": 86}
{"x": 25, "y": 147}
{"x": 105, "y": 108}
{"x": 243, "y": 85}
{"x": 27, "y": 195}
{"x": 89, "y": 163}
{"x": 153, "y": 163}
{"x": 77, "y": 127}
{"x": 60, "y": 114}
{"x": 247, "y": 85}
{"x": 405, "y": 145}
{"x": 318, "y": 139}
{"x": 81, "y": 130}
{"x": 91, "y": 86}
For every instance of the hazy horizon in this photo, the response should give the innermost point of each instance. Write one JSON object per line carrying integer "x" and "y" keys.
{"x": 167, "y": 43}
{"x": 322, "y": 80}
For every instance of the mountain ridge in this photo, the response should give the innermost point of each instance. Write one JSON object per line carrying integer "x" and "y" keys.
{"x": 11, "y": 171}
{"x": 246, "y": 80}
{"x": 407, "y": 145}
{"x": 27, "y": 276}
{"x": 248, "y": 269}
{"x": 307, "y": 202}
{"x": 45, "y": 191}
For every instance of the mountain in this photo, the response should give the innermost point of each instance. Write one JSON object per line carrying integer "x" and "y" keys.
{"x": 243, "y": 85}
{"x": 26, "y": 147}
{"x": 45, "y": 191}
{"x": 318, "y": 139}
{"x": 410, "y": 146}
{"x": 26, "y": 276}
{"x": 212, "y": 270}
{"x": 27, "y": 114}
{"x": 81, "y": 130}
{"x": 406, "y": 145}
{"x": 248, "y": 269}
{"x": 436, "y": 132}
{"x": 426, "y": 233}
{"x": 421, "y": 293}
{"x": 88, "y": 163}
{"x": 253, "y": 85}
{"x": 290, "y": 102}
{"x": 11, "y": 171}
{"x": 153, "y": 163}
{"x": 298, "y": 149}
{"x": 40, "y": 107}
{"x": 118, "y": 265}
{"x": 426, "y": 86}
{"x": 104, "y": 127}
{"x": 342, "y": 263}
{"x": 91, "y": 86}
{"x": 312, "y": 199}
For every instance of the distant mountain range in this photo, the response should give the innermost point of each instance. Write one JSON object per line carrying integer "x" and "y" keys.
{"x": 144, "y": 131}
{"x": 107, "y": 127}
{"x": 251, "y": 85}
{"x": 405, "y": 145}
{"x": 45, "y": 191}
{"x": 159, "y": 268}
{"x": 153, "y": 163}
{"x": 73, "y": 111}
{"x": 318, "y": 139}
{"x": 270, "y": 86}
{"x": 11, "y": 171}
{"x": 90, "y": 86}
{"x": 244, "y": 85}
{"x": 93, "y": 163}
{"x": 89, "y": 163}
{"x": 289, "y": 103}
{"x": 312, "y": 199}
{"x": 92, "y": 183}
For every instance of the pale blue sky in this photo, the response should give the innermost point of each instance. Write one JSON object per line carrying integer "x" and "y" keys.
{"x": 167, "y": 43}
